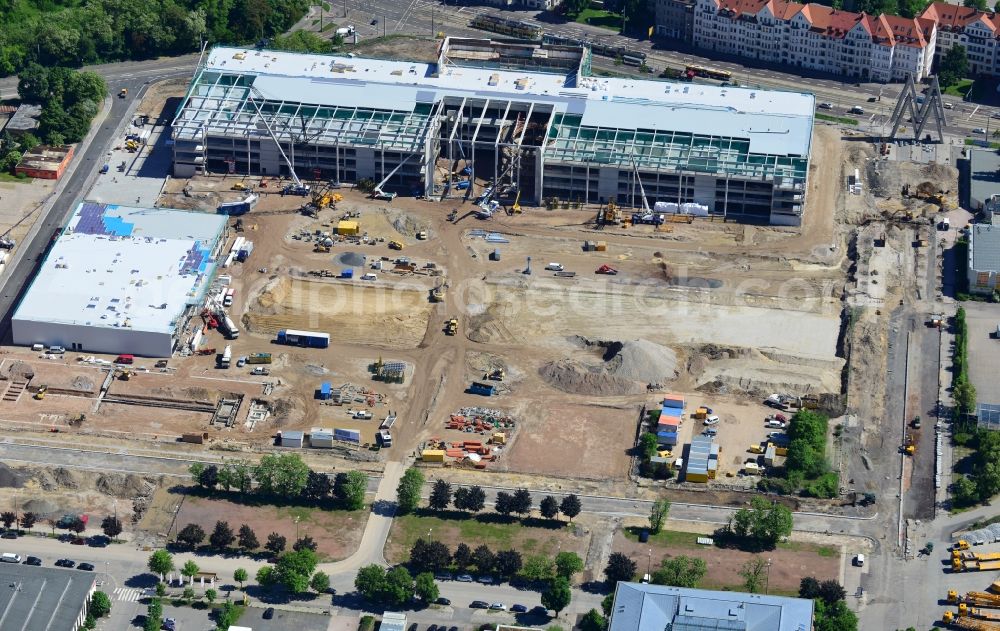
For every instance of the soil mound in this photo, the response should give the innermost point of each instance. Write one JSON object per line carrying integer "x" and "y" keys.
{"x": 576, "y": 378}
{"x": 407, "y": 225}
{"x": 10, "y": 477}
{"x": 627, "y": 368}
{"x": 41, "y": 508}
{"x": 353, "y": 259}
{"x": 641, "y": 360}
{"x": 123, "y": 486}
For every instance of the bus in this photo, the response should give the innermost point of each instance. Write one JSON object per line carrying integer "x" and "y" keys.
{"x": 708, "y": 73}
{"x": 511, "y": 28}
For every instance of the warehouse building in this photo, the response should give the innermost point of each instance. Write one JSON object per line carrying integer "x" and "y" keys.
{"x": 44, "y": 597}
{"x": 526, "y": 118}
{"x": 121, "y": 280}
{"x": 639, "y": 607}
{"x": 983, "y": 268}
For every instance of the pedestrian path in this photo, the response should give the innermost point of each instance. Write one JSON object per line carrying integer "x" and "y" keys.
{"x": 128, "y": 594}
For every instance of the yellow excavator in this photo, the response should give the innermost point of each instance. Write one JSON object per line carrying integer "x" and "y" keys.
{"x": 41, "y": 392}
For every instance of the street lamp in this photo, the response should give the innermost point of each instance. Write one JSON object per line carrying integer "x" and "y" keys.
{"x": 296, "y": 520}
{"x": 767, "y": 580}
{"x": 649, "y": 564}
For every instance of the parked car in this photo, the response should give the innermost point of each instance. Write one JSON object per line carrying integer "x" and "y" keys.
{"x": 268, "y": 613}
{"x": 56, "y": 350}
{"x": 773, "y": 422}
{"x": 241, "y": 362}
{"x": 487, "y": 580}
{"x": 374, "y": 22}
{"x": 443, "y": 601}
{"x": 979, "y": 130}
{"x": 554, "y": 267}
{"x": 86, "y": 567}
{"x": 170, "y": 624}
{"x": 444, "y": 576}
{"x": 66, "y": 563}
{"x": 711, "y": 420}
{"x": 826, "y": 106}
{"x": 710, "y": 431}
{"x": 539, "y": 610}
{"x": 857, "y": 109}
{"x": 479, "y": 604}
{"x": 10, "y": 534}
{"x": 32, "y": 561}
{"x": 464, "y": 578}
{"x": 498, "y": 607}
{"x": 519, "y": 609}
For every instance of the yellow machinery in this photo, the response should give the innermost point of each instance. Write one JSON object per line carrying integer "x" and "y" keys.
{"x": 41, "y": 392}
{"x": 437, "y": 294}
{"x": 321, "y": 247}
{"x": 496, "y": 375}
{"x": 239, "y": 186}
{"x": 123, "y": 93}
{"x": 131, "y": 146}
{"x": 451, "y": 326}
{"x": 395, "y": 245}
{"x": 978, "y": 599}
{"x": 958, "y": 621}
{"x": 516, "y": 208}
{"x": 610, "y": 214}
{"x": 977, "y": 613}
{"x": 973, "y": 562}
{"x": 124, "y": 375}
{"x": 680, "y": 218}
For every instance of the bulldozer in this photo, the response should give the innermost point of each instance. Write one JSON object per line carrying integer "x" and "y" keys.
{"x": 395, "y": 245}
{"x": 451, "y": 327}
{"x": 125, "y": 375}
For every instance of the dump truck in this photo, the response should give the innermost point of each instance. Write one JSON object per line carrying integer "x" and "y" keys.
{"x": 395, "y": 245}
{"x": 977, "y": 599}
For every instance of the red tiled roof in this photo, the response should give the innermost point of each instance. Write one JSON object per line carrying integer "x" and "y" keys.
{"x": 830, "y": 22}
{"x": 949, "y": 15}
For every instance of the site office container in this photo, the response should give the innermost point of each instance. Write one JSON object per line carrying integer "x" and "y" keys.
{"x": 349, "y": 435}
{"x": 675, "y": 401}
{"x": 259, "y": 358}
{"x": 308, "y": 339}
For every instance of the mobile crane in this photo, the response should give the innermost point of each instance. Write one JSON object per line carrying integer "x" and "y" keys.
{"x": 298, "y": 188}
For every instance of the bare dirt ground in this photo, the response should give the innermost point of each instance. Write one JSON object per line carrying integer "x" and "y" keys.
{"x": 19, "y": 203}
{"x": 336, "y": 533}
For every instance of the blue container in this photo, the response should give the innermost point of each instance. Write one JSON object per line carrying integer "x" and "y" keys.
{"x": 484, "y": 389}
{"x": 349, "y": 435}
{"x": 667, "y": 438}
{"x": 347, "y": 273}
{"x": 325, "y": 391}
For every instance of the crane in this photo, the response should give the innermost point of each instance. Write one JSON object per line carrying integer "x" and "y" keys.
{"x": 642, "y": 190}
{"x": 378, "y": 193}
{"x": 298, "y": 188}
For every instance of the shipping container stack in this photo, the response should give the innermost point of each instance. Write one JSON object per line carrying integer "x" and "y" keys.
{"x": 669, "y": 420}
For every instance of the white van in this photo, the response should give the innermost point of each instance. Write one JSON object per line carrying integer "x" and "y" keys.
{"x": 38, "y": 348}
{"x": 554, "y": 267}
{"x": 10, "y": 557}
{"x": 859, "y": 560}
{"x": 369, "y": 276}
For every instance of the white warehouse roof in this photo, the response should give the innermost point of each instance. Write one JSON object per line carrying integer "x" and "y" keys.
{"x": 775, "y": 122}
{"x": 117, "y": 267}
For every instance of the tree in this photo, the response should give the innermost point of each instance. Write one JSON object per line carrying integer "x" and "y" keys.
{"x": 762, "y": 525}
{"x": 508, "y": 563}
{"x": 211, "y": 595}
{"x": 570, "y": 506}
{"x": 575, "y": 7}
{"x": 111, "y": 526}
{"x": 432, "y": 555}
{"x": 831, "y": 591}
{"x": 484, "y": 559}
{"x": 28, "y": 520}
{"x": 283, "y": 475}
{"x": 835, "y": 617}
{"x": 408, "y": 490}
{"x": 100, "y": 604}
{"x": 266, "y": 576}
{"x": 227, "y": 616}
{"x": 996, "y": 7}
{"x": 462, "y": 556}
{"x": 238, "y": 475}
{"x": 320, "y": 582}
{"x": 753, "y": 574}
{"x": 504, "y": 503}
{"x": 521, "y": 502}
{"x": 593, "y": 621}
{"x": 275, "y": 543}
{"x": 440, "y": 495}
{"x": 240, "y": 576}
{"x": 305, "y": 543}
{"x": 648, "y": 445}
{"x": 658, "y": 514}
{"x": 248, "y": 539}
{"x": 809, "y": 588}
{"x": 222, "y": 536}
{"x": 425, "y": 588}
{"x": 189, "y": 569}
{"x": 318, "y": 486}
{"x": 557, "y": 595}
{"x": 293, "y": 569}
{"x": 160, "y": 563}
{"x": 567, "y": 564}
{"x": 301, "y": 41}
{"x": 979, "y": 5}
{"x": 549, "y": 507}
{"x": 399, "y": 587}
{"x": 191, "y": 535}
{"x": 8, "y": 518}
{"x": 161, "y": 589}
{"x": 539, "y": 567}
{"x": 370, "y": 581}
{"x": 354, "y": 489}
{"x": 209, "y": 477}
{"x": 954, "y": 66}
{"x": 619, "y": 568}
{"x": 78, "y": 526}
{"x": 33, "y": 84}
{"x": 680, "y": 571}
{"x": 470, "y": 498}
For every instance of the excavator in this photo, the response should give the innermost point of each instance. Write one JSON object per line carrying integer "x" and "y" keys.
{"x": 437, "y": 294}
{"x": 41, "y": 392}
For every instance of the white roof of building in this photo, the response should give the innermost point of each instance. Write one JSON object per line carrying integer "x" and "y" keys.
{"x": 775, "y": 122}
{"x": 121, "y": 267}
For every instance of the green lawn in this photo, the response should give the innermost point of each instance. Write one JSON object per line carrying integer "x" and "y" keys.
{"x": 599, "y": 17}
{"x": 959, "y": 89}
{"x": 843, "y": 120}
{"x": 668, "y": 538}
{"x": 972, "y": 142}
{"x": 17, "y": 179}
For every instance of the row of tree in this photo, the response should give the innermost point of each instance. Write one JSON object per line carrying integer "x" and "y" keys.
{"x": 69, "y": 100}
{"x": 473, "y": 499}
{"x": 110, "y": 525}
{"x": 286, "y": 476}
{"x": 73, "y": 33}
{"x": 294, "y": 570}
{"x": 222, "y": 539}
{"x": 435, "y": 556}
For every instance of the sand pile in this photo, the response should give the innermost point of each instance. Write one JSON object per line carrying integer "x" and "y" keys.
{"x": 407, "y": 225}
{"x": 353, "y": 259}
{"x": 124, "y": 486}
{"x": 626, "y": 368}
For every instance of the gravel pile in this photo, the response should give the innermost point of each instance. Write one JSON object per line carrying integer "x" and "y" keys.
{"x": 627, "y": 368}
{"x": 641, "y": 360}
{"x": 576, "y": 378}
{"x": 351, "y": 258}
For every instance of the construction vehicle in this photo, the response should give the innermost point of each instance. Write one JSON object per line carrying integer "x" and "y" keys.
{"x": 378, "y": 193}
{"x": 124, "y": 375}
{"x": 239, "y": 186}
{"x": 908, "y": 447}
{"x": 977, "y": 599}
{"x": 965, "y": 611}
{"x": 496, "y": 375}
{"x": 298, "y": 188}
{"x": 123, "y": 93}
{"x": 975, "y": 564}
{"x": 395, "y": 245}
{"x": 422, "y": 235}
{"x": 205, "y": 351}
{"x": 437, "y": 294}
{"x": 970, "y": 624}
{"x": 321, "y": 247}
{"x": 41, "y": 392}
{"x": 451, "y": 327}
{"x": 606, "y": 269}
{"x": 610, "y": 215}
{"x": 961, "y": 544}
{"x": 516, "y": 208}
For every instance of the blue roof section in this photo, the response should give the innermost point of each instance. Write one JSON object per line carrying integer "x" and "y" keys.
{"x": 639, "y": 607}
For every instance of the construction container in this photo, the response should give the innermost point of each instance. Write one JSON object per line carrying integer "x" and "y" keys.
{"x": 194, "y": 437}
{"x": 432, "y": 455}
{"x": 348, "y": 435}
{"x": 291, "y": 438}
{"x": 667, "y": 438}
{"x": 347, "y": 273}
{"x": 495, "y": 255}
{"x": 601, "y": 246}
{"x": 321, "y": 437}
{"x": 348, "y": 228}
{"x": 325, "y": 391}
{"x": 673, "y": 401}
{"x": 700, "y": 413}
{"x": 303, "y": 338}
{"x": 259, "y": 358}
{"x": 589, "y": 246}
{"x": 484, "y": 389}
{"x": 499, "y": 438}
{"x": 751, "y": 468}
{"x": 769, "y": 455}
{"x": 668, "y": 421}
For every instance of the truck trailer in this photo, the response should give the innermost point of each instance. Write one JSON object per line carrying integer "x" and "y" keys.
{"x": 228, "y": 328}
{"x": 309, "y": 339}
{"x": 259, "y": 358}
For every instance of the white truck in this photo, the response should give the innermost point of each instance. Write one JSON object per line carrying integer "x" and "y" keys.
{"x": 226, "y": 358}
{"x": 345, "y": 31}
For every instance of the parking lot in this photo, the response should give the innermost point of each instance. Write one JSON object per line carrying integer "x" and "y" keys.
{"x": 740, "y": 425}
{"x": 984, "y": 364}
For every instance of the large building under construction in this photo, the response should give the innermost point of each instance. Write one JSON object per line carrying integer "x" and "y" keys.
{"x": 519, "y": 120}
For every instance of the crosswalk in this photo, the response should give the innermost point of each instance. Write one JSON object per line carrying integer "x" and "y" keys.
{"x": 128, "y": 594}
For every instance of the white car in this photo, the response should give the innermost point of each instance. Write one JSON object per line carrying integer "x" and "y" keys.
{"x": 554, "y": 267}
{"x": 826, "y": 106}
{"x": 498, "y": 607}
{"x": 369, "y": 276}
{"x": 711, "y": 420}
{"x": 979, "y": 130}
{"x": 772, "y": 422}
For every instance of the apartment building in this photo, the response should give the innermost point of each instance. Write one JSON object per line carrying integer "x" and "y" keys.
{"x": 977, "y": 30}
{"x": 817, "y": 37}
{"x": 675, "y": 19}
